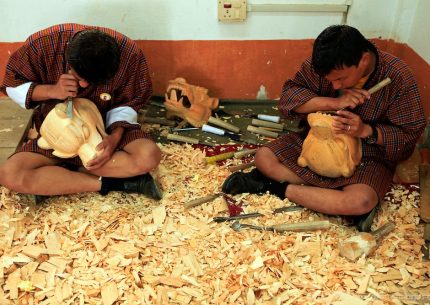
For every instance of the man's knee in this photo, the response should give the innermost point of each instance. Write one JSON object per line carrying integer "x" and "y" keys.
{"x": 360, "y": 204}
{"x": 11, "y": 177}
{"x": 149, "y": 159}
{"x": 264, "y": 158}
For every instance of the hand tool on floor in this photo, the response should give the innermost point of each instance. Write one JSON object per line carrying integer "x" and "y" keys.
{"x": 364, "y": 243}
{"x": 245, "y": 114}
{"x": 175, "y": 137}
{"x": 221, "y": 132}
{"x": 295, "y": 227}
{"x": 184, "y": 129}
{"x": 70, "y": 107}
{"x": 261, "y": 123}
{"x": 292, "y": 208}
{"x": 270, "y": 118}
{"x": 262, "y": 132}
{"x": 256, "y": 214}
{"x": 227, "y": 155}
{"x": 223, "y": 124}
{"x": 219, "y": 157}
{"x": 200, "y": 201}
{"x": 235, "y": 168}
{"x": 241, "y": 216}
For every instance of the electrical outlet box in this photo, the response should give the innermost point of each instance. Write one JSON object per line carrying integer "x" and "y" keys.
{"x": 231, "y": 10}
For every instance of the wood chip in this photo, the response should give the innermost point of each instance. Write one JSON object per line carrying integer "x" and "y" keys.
{"x": 109, "y": 293}
{"x": 125, "y": 247}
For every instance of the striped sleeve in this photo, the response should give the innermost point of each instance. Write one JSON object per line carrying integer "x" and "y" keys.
{"x": 134, "y": 92}
{"x": 297, "y": 91}
{"x": 406, "y": 119}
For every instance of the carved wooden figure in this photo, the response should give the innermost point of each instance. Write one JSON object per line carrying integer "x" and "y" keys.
{"x": 326, "y": 153}
{"x": 189, "y": 102}
{"x": 76, "y": 136}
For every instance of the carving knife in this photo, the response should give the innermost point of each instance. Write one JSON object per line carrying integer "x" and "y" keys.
{"x": 70, "y": 107}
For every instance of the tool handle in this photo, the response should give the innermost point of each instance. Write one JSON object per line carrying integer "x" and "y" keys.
{"x": 384, "y": 230}
{"x": 257, "y": 122}
{"x": 379, "y": 85}
{"x": 302, "y": 226}
{"x": 239, "y": 167}
{"x": 263, "y": 132}
{"x": 244, "y": 153}
{"x": 232, "y": 218}
{"x": 223, "y": 124}
{"x": 271, "y": 118}
{"x": 175, "y": 137}
{"x": 200, "y": 201}
{"x": 212, "y": 129}
{"x": 220, "y": 157}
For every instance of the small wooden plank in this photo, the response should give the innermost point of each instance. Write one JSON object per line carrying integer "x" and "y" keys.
{"x": 14, "y": 125}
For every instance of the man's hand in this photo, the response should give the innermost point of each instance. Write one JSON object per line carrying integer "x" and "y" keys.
{"x": 349, "y": 123}
{"x": 351, "y": 98}
{"x": 67, "y": 85}
{"x": 107, "y": 148}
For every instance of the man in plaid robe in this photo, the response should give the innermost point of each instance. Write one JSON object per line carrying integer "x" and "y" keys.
{"x": 388, "y": 122}
{"x": 105, "y": 67}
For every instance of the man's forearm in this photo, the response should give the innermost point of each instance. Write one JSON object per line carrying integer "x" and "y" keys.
{"x": 42, "y": 93}
{"x": 318, "y": 104}
{"x": 117, "y": 133}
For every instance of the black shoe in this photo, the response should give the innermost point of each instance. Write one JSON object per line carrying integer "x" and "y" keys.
{"x": 143, "y": 184}
{"x": 39, "y": 199}
{"x": 364, "y": 222}
{"x": 243, "y": 183}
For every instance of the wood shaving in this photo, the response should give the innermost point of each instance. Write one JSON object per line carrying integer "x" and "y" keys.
{"x": 128, "y": 249}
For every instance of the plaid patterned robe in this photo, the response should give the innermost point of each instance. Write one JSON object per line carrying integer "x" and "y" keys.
{"x": 41, "y": 60}
{"x": 396, "y": 110}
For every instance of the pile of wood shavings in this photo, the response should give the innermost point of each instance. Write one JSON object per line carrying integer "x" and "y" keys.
{"x": 127, "y": 249}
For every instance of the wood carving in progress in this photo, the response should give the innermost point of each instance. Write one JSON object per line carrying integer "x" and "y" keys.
{"x": 76, "y": 136}
{"x": 189, "y": 102}
{"x": 326, "y": 153}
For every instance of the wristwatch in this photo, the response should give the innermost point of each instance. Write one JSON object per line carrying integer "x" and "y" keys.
{"x": 373, "y": 137}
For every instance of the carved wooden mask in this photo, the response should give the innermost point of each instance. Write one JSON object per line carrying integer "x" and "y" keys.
{"x": 326, "y": 153}
{"x": 78, "y": 136}
{"x": 189, "y": 102}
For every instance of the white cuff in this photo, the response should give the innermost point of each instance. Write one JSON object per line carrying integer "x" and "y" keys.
{"x": 19, "y": 94}
{"x": 124, "y": 113}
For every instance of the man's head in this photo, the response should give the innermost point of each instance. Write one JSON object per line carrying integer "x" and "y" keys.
{"x": 342, "y": 55}
{"x": 94, "y": 56}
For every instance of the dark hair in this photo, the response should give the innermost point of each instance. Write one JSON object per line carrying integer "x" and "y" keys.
{"x": 338, "y": 46}
{"x": 94, "y": 55}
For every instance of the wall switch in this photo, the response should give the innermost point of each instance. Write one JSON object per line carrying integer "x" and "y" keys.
{"x": 231, "y": 10}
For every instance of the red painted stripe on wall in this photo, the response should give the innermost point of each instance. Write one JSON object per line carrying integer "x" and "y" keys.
{"x": 237, "y": 69}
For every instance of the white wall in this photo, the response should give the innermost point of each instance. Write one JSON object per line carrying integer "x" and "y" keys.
{"x": 419, "y": 35}
{"x": 402, "y": 20}
{"x": 176, "y": 19}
